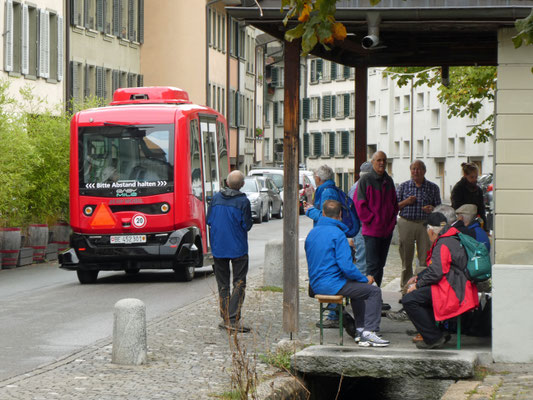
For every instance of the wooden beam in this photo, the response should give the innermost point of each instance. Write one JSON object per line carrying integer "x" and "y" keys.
{"x": 290, "y": 186}
{"x": 361, "y": 89}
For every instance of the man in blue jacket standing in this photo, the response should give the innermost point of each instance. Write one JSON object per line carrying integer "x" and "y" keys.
{"x": 230, "y": 218}
{"x": 331, "y": 271}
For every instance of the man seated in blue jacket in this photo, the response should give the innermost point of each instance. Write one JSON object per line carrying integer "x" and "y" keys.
{"x": 332, "y": 271}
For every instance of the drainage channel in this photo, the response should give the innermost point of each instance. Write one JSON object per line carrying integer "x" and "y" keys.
{"x": 326, "y": 388}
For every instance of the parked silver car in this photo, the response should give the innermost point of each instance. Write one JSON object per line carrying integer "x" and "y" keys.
{"x": 275, "y": 202}
{"x": 259, "y": 200}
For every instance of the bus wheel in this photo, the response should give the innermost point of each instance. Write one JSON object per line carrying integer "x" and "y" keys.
{"x": 185, "y": 272}
{"x": 87, "y": 276}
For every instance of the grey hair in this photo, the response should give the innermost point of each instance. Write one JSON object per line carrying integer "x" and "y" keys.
{"x": 418, "y": 162}
{"x": 235, "y": 179}
{"x": 468, "y": 218}
{"x": 435, "y": 229}
{"x": 448, "y": 212}
{"x": 324, "y": 173}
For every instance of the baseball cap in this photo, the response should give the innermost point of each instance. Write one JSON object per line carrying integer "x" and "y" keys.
{"x": 436, "y": 219}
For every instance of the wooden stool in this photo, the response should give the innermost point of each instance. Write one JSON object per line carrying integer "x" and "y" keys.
{"x": 334, "y": 299}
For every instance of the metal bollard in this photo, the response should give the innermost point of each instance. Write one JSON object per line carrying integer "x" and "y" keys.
{"x": 273, "y": 265}
{"x": 129, "y": 332}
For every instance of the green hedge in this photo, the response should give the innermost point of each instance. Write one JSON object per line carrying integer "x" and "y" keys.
{"x": 34, "y": 159}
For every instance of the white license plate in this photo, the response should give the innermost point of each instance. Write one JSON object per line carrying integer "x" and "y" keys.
{"x": 126, "y": 239}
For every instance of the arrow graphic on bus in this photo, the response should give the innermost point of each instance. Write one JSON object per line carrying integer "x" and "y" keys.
{"x": 90, "y": 185}
{"x": 161, "y": 183}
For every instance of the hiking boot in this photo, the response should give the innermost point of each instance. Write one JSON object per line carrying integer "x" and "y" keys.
{"x": 437, "y": 345}
{"x": 329, "y": 323}
{"x": 370, "y": 339}
{"x": 397, "y": 315}
{"x": 234, "y": 327}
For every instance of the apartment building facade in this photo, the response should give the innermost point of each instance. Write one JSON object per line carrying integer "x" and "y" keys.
{"x": 406, "y": 129}
{"x": 196, "y": 46}
{"x": 33, "y": 44}
{"x": 105, "y": 39}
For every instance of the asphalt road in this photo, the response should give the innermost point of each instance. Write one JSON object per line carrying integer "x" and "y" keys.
{"x": 45, "y": 314}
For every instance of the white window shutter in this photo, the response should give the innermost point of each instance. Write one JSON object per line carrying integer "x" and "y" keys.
{"x": 59, "y": 48}
{"x": 42, "y": 60}
{"x": 47, "y": 44}
{"x": 8, "y": 37}
{"x": 25, "y": 39}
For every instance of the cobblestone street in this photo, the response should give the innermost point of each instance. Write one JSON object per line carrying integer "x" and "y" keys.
{"x": 191, "y": 358}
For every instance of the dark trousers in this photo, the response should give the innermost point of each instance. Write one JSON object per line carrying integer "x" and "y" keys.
{"x": 419, "y": 307}
{"x": 366, "y": 304}
{"x": 230, "y": 303}
{"x": 377, "y": 249}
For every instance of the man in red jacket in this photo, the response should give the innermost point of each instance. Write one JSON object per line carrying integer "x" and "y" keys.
{"x": 442, "y": 291}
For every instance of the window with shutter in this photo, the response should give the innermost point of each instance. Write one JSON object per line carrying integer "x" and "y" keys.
{"x": 326, "y": 109}
{"x": 86, "y": 7}
{"x": 306, "y": 145}
{"x": 74, "y": 12}
{"x": 8, "y": 37}
{"x": 345, "y": 144}
{"x": 319, "y": 65}
{"x": 131, "y": 21}
{"x": 44, "y": 43}
{"x": 306, "y": 102}
{"x": 317, "y": 144}
{"x": 346, "y": 72}
{"x": 275, "y": 78}
{"x": 25, "y": 40}
{"x": 333, "y": 70}
{"x": 312, "y": 72}
{"x": 346, "y": 104}
{"x": 107, "y": 74}
{"x": 276, "y": 105}
{"x": 33, "y": 41}
{"x": 99, "y": 82}
{"x": 331, "y": 144}
{"x": 100, "y": 15}
{"x": 116, "y": 17}
{"x": 333, "y": 106}
{"x": 141, "y": 21}
{"x": 53, "y": 55}
{"x": 86, "y": 82}
{"x": 115, "y": 80}
{"x": 59, "y": 48}
{"x": 140, "y": 80}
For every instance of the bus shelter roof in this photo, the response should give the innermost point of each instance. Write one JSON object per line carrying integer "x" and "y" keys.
{"x": 411, "y": 32}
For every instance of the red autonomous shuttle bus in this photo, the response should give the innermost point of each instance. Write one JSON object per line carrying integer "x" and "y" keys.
{"x": 142, "y": 172}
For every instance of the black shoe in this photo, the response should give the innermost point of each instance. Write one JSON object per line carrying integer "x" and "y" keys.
{"x": 385, "y": 307}
{"x": 437, "y": 345}
{"x": 328, "y": 323}
{"x": 397, "y": 315}
{"x": 234, "y": 327}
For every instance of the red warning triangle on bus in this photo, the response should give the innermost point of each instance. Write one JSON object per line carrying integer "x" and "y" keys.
{"x": 103, "y": 217}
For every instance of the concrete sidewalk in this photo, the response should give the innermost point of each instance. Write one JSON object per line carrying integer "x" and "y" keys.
{"x": 191, "y": 358}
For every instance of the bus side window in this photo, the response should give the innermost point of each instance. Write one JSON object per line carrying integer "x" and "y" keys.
{"x": 196, "y": 171}
{"x": 222, "y": 153}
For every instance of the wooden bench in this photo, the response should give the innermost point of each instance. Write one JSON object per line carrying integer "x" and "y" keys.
{"x": 333, "y": 299}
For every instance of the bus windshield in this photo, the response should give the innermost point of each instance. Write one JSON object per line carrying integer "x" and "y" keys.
{"x": 126, "y": 161}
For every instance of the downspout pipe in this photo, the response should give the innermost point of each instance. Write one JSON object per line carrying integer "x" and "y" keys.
{"x": 66, "y": 62}
{"x": 207, "y": 36}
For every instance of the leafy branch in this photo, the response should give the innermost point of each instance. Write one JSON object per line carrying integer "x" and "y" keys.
{"x": 469, "y": 87}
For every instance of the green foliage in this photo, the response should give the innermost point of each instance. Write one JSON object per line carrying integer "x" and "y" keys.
{"x": 469, "y": 87}
{"x": 525, "y": 31}
{"x": 280, "y": 359}
{"x": 34, "y": 154}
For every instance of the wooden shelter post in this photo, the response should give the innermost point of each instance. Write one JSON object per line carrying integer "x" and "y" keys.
{"x": 361, "y": 93}
{"x": 291, "y": 110}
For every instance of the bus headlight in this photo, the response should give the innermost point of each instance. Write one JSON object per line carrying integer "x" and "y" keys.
{"x": 165, "y": 207}
{"x": 88, "y": 210}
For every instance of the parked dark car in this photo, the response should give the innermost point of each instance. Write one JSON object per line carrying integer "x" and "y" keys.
{"x": 275, "y": 202}
{"x": 259, "y": 200}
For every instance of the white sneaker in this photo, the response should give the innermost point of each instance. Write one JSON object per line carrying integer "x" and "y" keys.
{"x": 357, "y": 337}
{"x": 370, "y": 339}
